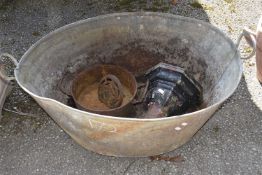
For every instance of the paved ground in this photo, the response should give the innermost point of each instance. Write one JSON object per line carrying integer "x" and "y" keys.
{"x": 229, "y": 143}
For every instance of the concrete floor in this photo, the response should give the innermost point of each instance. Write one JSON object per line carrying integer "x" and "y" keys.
{"x": 229, "y": 143}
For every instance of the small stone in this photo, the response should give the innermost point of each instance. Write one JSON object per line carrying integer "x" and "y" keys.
{"x": 251, "y": 63}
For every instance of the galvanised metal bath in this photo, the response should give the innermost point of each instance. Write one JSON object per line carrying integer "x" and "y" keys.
{"x": 136, "y": 41}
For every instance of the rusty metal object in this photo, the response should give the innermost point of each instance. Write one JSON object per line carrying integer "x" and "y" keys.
{"x": 141, "y": 93}
{"x": 198, "y": 47}
{"x": 110, "y": 91}
{"x": 92, "y": 91}
{"x": 171, "y": 91}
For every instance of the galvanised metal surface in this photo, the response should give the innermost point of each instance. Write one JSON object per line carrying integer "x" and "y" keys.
{"x": 135, "y": 41}
{"x": 259, "y": 50}
{"x": 6, "y": 84}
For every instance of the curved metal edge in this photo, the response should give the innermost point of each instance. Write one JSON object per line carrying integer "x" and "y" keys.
{"x": 259, "y": 25}
{"x": 250, "y": 37}
{"x": 141, "y": 14}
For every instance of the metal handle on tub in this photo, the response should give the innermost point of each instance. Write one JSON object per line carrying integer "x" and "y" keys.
{"x": 250, "y": 37}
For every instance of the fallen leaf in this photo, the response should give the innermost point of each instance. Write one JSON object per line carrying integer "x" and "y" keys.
{"x": 35, "y": 33}
{"x": 196, "y": 4}
{"x": 248, "y": 50}
{"x": 174, "y": 2}
{"x": 230, "y": 29}
{"x": 177, "y": 158}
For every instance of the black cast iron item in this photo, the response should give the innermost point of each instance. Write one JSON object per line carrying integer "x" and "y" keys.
{"x": 171, "y": 91}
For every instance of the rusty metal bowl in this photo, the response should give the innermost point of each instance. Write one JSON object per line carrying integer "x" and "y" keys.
{"x": 87, "y": 78}
{"x": 135, "y": 41}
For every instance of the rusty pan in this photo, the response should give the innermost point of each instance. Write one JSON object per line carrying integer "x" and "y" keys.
{"x": 135, "y": 41}
{"x": 85, "y": 81}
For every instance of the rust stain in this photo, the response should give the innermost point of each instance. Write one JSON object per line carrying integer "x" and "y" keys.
{"x": 136, "y": 60}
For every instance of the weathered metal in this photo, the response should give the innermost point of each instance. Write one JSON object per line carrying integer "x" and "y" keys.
{"x": 136, "y": 41}
{"x": 110, "y": 91}
{"x": 85, "y": 81}
{"x": 254, "y": 39}
{"x": 259, "y": 51}
{"x": 6, "y": 84}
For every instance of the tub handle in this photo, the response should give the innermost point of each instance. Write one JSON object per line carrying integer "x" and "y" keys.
{"x": 2, "y": 71}
{"x": 250, "y": 37}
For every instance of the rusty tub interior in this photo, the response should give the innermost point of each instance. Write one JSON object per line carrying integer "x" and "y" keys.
{"x": 135, "y": 41}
